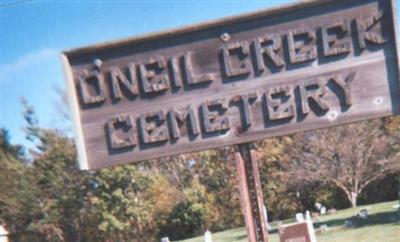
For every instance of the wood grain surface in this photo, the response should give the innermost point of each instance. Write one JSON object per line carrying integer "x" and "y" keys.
{"x": 275, "y": 72}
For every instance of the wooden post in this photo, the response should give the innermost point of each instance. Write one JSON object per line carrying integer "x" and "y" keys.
{"x": 251, "y": 194}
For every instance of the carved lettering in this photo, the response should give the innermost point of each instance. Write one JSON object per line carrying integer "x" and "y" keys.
{"x": 301, "y": 44}
{"x": 313, "y": 90}
{"x": 244, "y": 107}
{"x": 346, "y": 85}
{"x": 309, "y": 66}
{"x": 154, "y": 127}
{"x": 192, "y": 79}
{"x": 269, "y": 45}
{"x": 118, "y": 79}
{"x": 280, "y": 102}
{"x": 121, "y": 132}
{"x": 92, "y": 87}
{"x": 210, "y": 121}
{"x": 243, "y": 62}
{"x": 154, "y": 75}
{"x": 336, "y": 38}
{"x": 176, "y": 74}
{"x": 178, "y": 118}
{"x": 364, "y": 30}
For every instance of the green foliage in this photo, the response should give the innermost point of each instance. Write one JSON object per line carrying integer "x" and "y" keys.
{"x": 16, "y": 151}
{"x": 49, "y": 199}
{"x": 119, "y": 209}
{"x": 281, "y": 202}
{"x": 325, "y": 193}
{"x": 216, "y": 170}
{"x": 185, "y": 221}
{"x": 192, "y": 216}
{"x": 164, "y": 197}
{"x": 60, "y": 188}
{"x": 17, "y": 198}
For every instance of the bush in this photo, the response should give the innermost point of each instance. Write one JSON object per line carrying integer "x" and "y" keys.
{"x": 185, "y": 221}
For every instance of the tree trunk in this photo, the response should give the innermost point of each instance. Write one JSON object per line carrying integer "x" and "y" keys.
{"x": 351, "y": 195}
{"x": 353, "y": 199}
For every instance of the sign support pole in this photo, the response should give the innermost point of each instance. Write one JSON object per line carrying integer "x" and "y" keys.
{"x": 252, "y": 201}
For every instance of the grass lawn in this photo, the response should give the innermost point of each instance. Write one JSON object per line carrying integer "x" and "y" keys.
{"x": 382, "y": 225}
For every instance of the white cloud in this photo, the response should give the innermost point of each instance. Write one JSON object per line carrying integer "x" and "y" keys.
{"x": 13, "y": 69}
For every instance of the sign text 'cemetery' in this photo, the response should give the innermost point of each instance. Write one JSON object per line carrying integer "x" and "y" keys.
{"x": 233, "y": 81}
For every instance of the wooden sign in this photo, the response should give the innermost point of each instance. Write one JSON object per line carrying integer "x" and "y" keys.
{"x": 300, "y": 67}
{"x": 298, "y": 232}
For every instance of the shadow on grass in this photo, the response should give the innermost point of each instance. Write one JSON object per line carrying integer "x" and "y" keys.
{"x": 242, "y": 237}
{"x": 373, "y": 219}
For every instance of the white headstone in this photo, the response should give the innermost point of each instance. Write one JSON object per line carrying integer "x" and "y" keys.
{"x": 3, "y": 234}
{"x": 308, "y": 216}
{"x": 299, "y": 217}
{"x": 323, "y": 210}
{"x": 323, "y": 228}
{"x": 266, "y": 218}
{"x": 363, "y": 214}
{"x": 165, "y": 239}
{"x": 207, "y": 236}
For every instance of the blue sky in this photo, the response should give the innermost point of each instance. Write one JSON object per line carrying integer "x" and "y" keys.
{"x": 33, "y": 33}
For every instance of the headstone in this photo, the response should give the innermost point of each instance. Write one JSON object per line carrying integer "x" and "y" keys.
{"x": 3, "y": 234}
{"x": 314, "y": 215}
{"x": 308, "y": 216}
{"x": 297, "y": 232}
{"x": 299, "y": 217}
{"x": 332, "y": 211}
{"x": 323, "y": 210}
{"x": 323, "y": 228}
{"x": 266, "y": 218}
{"x": 318, "y": 206}
{"x": 363, "y": 214}
{"x": 165, "y": 239}
{"x": 207, "y": 236}
{"x": 399, "y": 199}
{"x": 348, "y": 223}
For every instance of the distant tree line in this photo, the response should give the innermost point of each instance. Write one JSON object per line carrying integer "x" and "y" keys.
{"x": 46, "y": 197}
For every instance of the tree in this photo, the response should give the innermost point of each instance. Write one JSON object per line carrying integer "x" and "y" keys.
{"x": 17, "y": 195}
{"x": 350, "y": 157}
{"x": 61, "y": 187}
{"x": 192, "y": 216}
{"x": 280, "y": 201}
{"x": 216, "y": 170}
{"x": 15, "y": 150}
{"x": 118, "y": 207}
{"x": 392, "y": 126}
{"x": 164, "y": 197}
{"x": 57, "y": 185}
